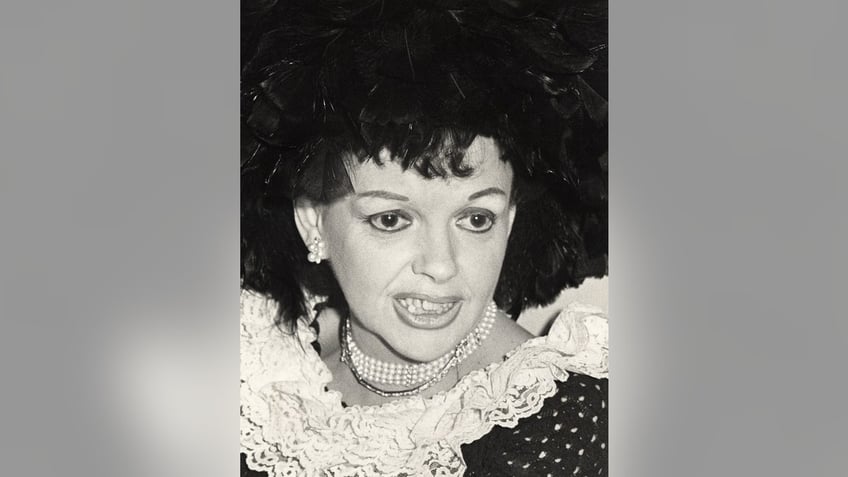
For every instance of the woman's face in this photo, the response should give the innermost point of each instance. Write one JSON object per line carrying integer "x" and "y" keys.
{"x": 418, "y": 259}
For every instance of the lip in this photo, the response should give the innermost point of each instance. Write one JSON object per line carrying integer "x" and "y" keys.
{"x": 427, "y": 321}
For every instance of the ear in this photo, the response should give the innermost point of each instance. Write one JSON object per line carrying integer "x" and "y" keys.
{"x": 307, "y": 218}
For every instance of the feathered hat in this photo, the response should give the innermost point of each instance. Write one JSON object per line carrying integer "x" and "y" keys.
{"x": 325, "y": 78}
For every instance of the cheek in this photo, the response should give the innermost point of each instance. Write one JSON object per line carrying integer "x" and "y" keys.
{"x": 365, "y": 265}
{"x": 482, "y": 257}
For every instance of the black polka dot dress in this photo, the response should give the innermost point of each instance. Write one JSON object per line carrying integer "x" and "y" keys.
{"x": 568, "y": 437}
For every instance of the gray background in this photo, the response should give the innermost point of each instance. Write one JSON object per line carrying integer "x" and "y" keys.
{"x": 119, "y": 262}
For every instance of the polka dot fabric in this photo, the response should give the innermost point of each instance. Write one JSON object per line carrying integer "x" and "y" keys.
{"x": 568, "y": 437}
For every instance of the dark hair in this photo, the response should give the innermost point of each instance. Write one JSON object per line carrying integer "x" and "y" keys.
{"x": 324, "y": 81}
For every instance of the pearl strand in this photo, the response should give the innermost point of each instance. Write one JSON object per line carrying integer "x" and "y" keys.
{"x": 369, "y": 371}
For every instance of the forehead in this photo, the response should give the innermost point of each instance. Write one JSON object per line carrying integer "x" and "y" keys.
{"x": 482, "y": 156}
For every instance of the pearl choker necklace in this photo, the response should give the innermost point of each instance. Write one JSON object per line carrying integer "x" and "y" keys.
{"x": 370, "y": 372}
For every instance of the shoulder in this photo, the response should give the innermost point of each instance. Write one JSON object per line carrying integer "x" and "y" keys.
{"x": 568, "y": 436}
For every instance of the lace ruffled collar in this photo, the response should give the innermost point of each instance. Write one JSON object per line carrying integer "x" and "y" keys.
{"x": 291, "y": 425}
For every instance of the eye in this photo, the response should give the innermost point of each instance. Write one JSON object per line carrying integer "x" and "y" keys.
{"x": 477, "y": 222}
{"x": 389, "y": 221}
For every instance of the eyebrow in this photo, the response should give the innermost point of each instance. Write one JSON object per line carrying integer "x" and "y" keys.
{"x": 484, "y": 192}
{"x": 383, "y": 194}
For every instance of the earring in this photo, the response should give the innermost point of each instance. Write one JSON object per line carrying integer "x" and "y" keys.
{"x": 316, "y": 250}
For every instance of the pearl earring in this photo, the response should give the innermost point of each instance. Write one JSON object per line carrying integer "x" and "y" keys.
{"x": 316, "y": 250}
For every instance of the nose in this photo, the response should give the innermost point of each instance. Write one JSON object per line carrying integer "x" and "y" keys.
{"x": 436, "y": 257}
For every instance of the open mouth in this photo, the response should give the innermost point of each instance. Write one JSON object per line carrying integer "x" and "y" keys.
{"x": 423, "y": 313}
{"x": 420, "y": 307}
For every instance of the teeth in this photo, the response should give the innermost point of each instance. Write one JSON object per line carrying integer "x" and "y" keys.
{"x": 417, "y": 306}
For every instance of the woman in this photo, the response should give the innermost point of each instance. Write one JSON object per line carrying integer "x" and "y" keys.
{"x": 414, "y": 175}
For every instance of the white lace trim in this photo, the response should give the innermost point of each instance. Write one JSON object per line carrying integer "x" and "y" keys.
{"x": 290, "y": 425}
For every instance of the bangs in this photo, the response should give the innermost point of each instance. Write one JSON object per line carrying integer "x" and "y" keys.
{"x": 437, "y": 153}
{"x": 434, "y": 153}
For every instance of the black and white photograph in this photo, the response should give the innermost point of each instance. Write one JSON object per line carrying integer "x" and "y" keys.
{"x": 447, "y": 238}
{"x": 424, "y": 238}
